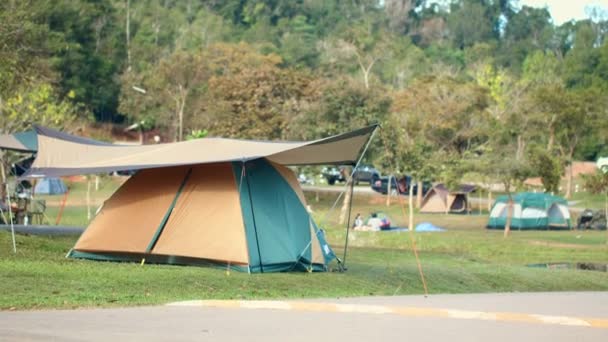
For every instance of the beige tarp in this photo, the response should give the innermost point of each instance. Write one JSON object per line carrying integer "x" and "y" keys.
{"x": 207, "y": 220}
{"x": 129, "y": 218}
{"x": 58, "y": 156}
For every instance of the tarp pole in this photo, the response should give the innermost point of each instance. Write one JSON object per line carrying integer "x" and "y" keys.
{"x": 8, "y": 202}
{"x": 350, "y": 205}
{"x": 65, "y": 198}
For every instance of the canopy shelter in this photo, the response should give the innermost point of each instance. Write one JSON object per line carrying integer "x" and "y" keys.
{"x": 20, "y": 142}
{"x": 531, "y": 211}
{"x": 441, "y": 200}
{"x": 210, "y": 201}
{"x": 61, "y": 155}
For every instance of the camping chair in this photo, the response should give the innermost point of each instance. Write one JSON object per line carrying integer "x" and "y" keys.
{"x": 36, "y": 212}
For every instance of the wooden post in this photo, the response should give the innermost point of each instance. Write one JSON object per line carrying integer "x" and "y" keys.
{"x": 88, "y": 198}
{"x": 509, "y": 216}
{"x": 388, "y": 192}
{"x": 411, "y": 208}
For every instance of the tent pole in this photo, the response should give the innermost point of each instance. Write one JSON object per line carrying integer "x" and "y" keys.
{"x": 352, "y": 185}
{"x": 255, "y": 229}
{"x": 350, "y": 206}
{"x": 8, "y": 202}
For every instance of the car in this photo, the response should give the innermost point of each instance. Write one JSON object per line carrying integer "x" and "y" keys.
{"x": 602, "y": 164}
{"x": 366, "y": 173}
{"x": 363, "y": 173}
{"x": 333, "y": 175}
{"x": 399, "y": 184}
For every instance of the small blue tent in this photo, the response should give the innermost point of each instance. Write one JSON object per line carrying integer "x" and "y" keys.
{"x": 50, "y": 186}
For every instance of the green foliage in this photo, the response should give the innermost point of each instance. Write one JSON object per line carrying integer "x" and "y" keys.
{"x": 449, "y": 81}
{"x": 197, "y": 134}
{"x": 37, "y": 105}
{"x": 548, "y": 167}
{"x": 597, "y": 183}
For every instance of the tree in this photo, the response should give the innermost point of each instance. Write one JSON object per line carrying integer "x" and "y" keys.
{"x": 40, "y": 105}
{"x": 470, "y": 22}
{"x": 362, "y": 46}
{"x": 90, "y": 54}
{"x": 168, "y": 87}
{"x": 497, "y": 163}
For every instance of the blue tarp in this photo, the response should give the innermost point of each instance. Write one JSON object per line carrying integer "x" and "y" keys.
{"x": 422, "y": 227}
{"x": 50, "y": 186}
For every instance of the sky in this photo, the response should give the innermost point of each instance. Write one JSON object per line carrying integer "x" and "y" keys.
{"x": 565, "y": 10}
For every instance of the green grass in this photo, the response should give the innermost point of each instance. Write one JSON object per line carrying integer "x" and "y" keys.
{"x": 465, "y": 259}
{"x": 588, "y": 200}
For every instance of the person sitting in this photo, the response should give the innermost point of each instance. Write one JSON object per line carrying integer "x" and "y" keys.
{"x": 374, "y": 222}
{"x": 358, "y": 223}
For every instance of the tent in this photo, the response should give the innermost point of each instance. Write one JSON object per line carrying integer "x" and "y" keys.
{"x": 215, "y": 201}
{"x": 531, "y": 211}
{"x": 50, "y": 186}
{"x": 440, "y": 200}
{"x": 20, "y": 142}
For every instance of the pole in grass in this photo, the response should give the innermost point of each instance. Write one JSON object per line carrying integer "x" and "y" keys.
{"x": 352, "y": 180}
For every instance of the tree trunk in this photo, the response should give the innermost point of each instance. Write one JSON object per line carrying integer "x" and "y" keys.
{"x": 551, "y": 138}
{"x": 521, "y": 145}
{"x": 606, "y": 215}
{"x": 388, "y": 192}
{"x": 419, "y": 195}
{"x": 410, "y": 223}
{"x": 128, "y": 32}
{"x": 509, "y": 216}
{"x": 569, "y": 173}
{"x": 569, "y": 181}
{"x": 183, "y": 93}
{"x": 489, "y": 199}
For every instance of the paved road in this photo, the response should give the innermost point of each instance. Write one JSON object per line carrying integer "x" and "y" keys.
{"x": 485, "y": 317}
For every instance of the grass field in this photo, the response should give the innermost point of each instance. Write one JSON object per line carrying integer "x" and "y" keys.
{"x": 465, "y": 259}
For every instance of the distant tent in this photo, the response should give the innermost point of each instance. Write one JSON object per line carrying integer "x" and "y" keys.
{"x": 531, "y": 211}
{"x": 252, "y": 218}
{"x": 50, "y": 186}
{"x": 440, "y": 200}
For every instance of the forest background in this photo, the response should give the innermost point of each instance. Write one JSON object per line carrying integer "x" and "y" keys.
{"x": 484, "y": 88}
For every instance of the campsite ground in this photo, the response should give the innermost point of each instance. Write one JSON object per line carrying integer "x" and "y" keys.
{"x": 466, "y": 258}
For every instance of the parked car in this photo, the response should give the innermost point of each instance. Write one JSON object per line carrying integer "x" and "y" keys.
{"x": 602, "y": 164}
{"x": 333, "y": 175}
{"x": 363, "y": 173}
{"x": 400, "y": 184}
{"x": 366, "y": 173}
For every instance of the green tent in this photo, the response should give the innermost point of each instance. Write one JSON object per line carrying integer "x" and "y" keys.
{"x": 531, "y": 211}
